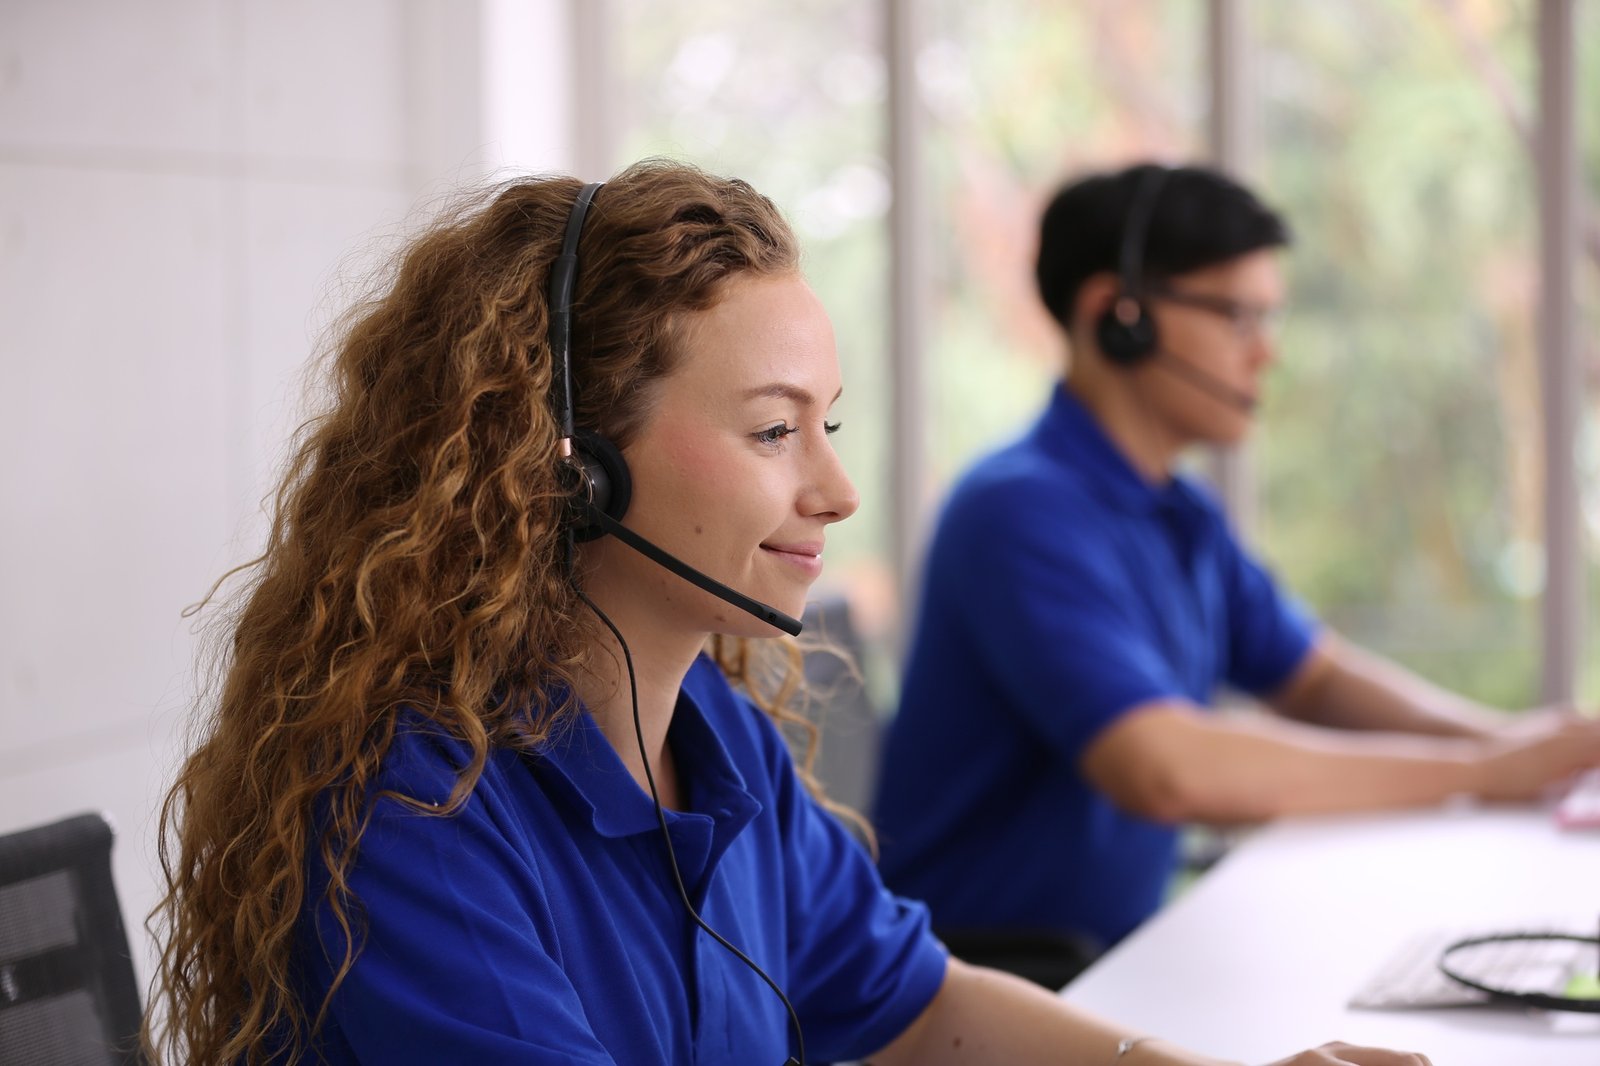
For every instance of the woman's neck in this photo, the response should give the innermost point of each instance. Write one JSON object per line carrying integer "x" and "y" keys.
{"x": 660, "y": 661}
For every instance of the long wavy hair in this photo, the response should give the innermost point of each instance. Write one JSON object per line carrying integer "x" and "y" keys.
{"x": 414, "y": 560}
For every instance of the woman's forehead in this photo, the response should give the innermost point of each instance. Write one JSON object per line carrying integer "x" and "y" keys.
{"x": 764, "y": 331}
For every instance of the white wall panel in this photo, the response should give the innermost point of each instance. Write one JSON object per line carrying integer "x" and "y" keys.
{"x": 323, "y": 82}
{"x": 114, "y": 487}
{"x": 183, "y": 185}
{"x": 100, "y": 76}
{"x": 308, "y": 251}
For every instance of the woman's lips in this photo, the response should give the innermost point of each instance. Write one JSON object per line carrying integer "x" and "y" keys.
{"x": 804, "y": 557}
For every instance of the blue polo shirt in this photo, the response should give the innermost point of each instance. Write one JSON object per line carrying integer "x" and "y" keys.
{"x": 541, "y": 923}
{"x": 1062, "y": 590}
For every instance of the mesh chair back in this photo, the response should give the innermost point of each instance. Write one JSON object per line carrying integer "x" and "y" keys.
{"x": 847, "y": 759}
{"x": 68, "y": 995}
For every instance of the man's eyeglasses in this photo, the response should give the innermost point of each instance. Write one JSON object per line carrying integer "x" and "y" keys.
{"x": 1248, "y": 321}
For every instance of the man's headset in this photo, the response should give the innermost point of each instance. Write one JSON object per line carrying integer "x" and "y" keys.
{"x": 601, "y": 489}
{"x": 1126, "y": 332}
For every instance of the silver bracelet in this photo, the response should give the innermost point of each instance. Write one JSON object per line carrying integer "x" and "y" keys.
{"x": 1127, "y": 1045}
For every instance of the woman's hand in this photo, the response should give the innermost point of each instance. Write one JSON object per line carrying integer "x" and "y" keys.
{"x": 1342, "y": 1054}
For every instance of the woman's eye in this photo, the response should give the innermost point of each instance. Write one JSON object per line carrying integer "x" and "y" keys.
{"x": 774, "y": 434}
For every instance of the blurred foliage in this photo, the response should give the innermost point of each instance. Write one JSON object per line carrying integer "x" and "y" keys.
{"x": 1399, "y": 461}
{"x": 1587, "y": 39}
{"x": 790, "y": 97}
{"x": 1021, "y": 94}
{"x": 1401, "y": 455}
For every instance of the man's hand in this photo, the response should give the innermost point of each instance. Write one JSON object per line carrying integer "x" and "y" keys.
{"x": 1542, "y": 748}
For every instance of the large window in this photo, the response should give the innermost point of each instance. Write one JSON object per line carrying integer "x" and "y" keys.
{"x": 1400, "y": 466}
{"x": 1587, "y": 36}
{"x": 1022, "y": 94}
{"x": 1401, "y": 453}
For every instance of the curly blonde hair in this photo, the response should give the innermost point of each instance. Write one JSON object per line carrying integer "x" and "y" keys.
{"x": 414, "y": 561}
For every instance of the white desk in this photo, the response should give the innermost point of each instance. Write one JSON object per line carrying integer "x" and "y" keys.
{"x": 1258, "y": 958}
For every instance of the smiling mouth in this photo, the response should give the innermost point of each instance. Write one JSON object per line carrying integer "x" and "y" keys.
{"x": 806, "y": 556}
{"x": 811, "y": 548}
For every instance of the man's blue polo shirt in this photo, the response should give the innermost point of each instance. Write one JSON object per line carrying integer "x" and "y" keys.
{"x": 1062, "y": 590}
{"x": 541, "y": 924}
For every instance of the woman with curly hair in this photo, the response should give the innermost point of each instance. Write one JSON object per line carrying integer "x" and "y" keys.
{"x": 479, "y": 783}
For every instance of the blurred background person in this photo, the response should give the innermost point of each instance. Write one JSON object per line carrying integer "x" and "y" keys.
{"x": 1085, "y": 603}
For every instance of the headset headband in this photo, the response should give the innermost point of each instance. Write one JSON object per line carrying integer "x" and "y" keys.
{"x": 563, "y": 280}
{"x": 1135, "y": 235}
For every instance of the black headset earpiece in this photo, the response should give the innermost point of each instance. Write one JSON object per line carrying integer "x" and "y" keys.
{"x": 601, "y": 484}
{"x": 1126, "y": 332}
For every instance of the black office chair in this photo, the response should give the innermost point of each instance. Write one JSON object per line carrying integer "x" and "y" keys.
{"x": 847, "y": 765}
{"x": 1046, "y": 958}
{"x": 68, "y": 995}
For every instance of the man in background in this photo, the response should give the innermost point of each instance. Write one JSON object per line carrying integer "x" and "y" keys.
{"x": 1084, "y": 604}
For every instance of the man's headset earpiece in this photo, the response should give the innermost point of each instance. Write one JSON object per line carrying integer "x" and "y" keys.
{"x": 1126, "y": 332}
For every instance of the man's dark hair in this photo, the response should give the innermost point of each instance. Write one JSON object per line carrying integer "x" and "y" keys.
{"x": 1201, "y": 218}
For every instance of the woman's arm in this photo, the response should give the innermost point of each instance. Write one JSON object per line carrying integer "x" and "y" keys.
{"x": 983, "y": 1016}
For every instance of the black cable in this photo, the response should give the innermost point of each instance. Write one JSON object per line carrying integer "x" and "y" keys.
{"x": 1543, "y": 1000}
{"x": 672, "y": 856}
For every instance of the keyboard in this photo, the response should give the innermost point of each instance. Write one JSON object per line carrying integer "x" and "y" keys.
{"x": 1580, "y": 807}
{"x": 1410, "y": 979}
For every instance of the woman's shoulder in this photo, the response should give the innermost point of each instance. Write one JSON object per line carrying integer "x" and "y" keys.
{"x": 426, "y": 759}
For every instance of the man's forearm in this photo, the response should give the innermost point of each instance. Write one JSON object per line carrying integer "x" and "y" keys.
{"x": 1175, "y": 763}
{"x": 1253, "y": 770}
{"x": 1346, "y": 687}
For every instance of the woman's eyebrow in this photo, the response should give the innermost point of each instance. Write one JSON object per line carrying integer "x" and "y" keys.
{"x": 782, "y": 390}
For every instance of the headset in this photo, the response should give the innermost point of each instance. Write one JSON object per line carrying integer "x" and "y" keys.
{"x": 597, "y": 475}
{"x": 1449, "y": 966}
{"x": 1126, "y": 332}
{"x": 600, "y": 486}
